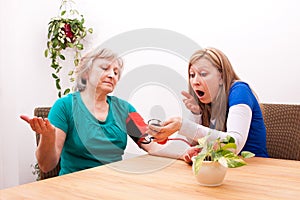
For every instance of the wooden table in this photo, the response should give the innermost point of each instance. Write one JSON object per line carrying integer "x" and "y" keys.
{"x": 163, "y": 178}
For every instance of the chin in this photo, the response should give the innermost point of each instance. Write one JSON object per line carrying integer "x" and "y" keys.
{"x": 205, "y": 101}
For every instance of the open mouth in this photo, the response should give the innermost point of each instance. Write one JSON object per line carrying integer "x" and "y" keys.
{"x": 200, "y": 93}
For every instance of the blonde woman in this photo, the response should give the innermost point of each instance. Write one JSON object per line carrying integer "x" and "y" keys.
{"x": 220, "y": 104}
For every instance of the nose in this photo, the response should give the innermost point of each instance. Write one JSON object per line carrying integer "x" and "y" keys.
{"x": 111, "y": 73}
{"x": 196, "y": 80}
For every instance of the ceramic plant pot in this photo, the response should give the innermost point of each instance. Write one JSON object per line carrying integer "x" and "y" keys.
{"x": 211, "y": 173}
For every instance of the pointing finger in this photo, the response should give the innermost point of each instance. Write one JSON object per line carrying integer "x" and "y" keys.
{"x": 186, "y": 94}
{"x": 25, "y": 118}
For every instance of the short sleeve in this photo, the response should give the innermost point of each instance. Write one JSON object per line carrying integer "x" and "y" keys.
{"x": 58, "y": 115}
{"x": 131, "y": 108}
{"x": 241, "y": 93}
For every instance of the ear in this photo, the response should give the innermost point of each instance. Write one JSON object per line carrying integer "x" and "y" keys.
{"x": 220, "y": 79}
{"x": 85, "y": 75}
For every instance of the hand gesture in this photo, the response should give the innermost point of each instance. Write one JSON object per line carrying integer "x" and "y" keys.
{"x": 191, "y": 103}
{"x": 167, "y": 128}
{"x": 193, "y": 151}
{"x": 39, "y": 125}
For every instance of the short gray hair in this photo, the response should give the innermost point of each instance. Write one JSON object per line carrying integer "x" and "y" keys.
{"x": 86, "y": 63}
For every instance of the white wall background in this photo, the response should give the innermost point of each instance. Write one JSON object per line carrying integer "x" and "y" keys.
{"x": 261, "y": 38}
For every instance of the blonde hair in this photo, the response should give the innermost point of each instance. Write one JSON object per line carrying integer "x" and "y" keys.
{"x": 86, "y": 63}
{"x": 218, "y": 109}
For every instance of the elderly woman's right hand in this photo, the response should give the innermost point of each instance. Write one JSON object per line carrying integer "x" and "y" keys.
{"x": 191, "y": 103}
{"x": 39, "y": 125}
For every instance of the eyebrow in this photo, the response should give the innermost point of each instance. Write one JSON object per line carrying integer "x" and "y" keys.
{"x": 198, "y": 70}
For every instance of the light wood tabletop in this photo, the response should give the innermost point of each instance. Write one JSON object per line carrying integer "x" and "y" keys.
{"x": 151, "y": 177}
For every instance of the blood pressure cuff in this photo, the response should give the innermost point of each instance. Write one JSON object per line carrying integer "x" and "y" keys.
{"x": 136, "y": 127}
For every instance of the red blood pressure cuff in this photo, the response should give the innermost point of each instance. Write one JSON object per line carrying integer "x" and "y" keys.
{"x": 136, "y": 127}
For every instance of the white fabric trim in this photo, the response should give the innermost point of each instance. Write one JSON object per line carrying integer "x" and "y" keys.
{"x": 238, "y": 125}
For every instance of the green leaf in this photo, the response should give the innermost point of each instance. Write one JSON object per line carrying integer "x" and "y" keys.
{"x": 61, "y": 40}
{"x": 223, "y": 161}
{"x": 70, "y": 72}
{"x": 247, "y": 154}
{"x": 236, "y": 162}
{"x": 229, "y": 146}
{"x": 46, "y": 53}
{"x": 63, "y": 13}
{"x": 198, "y": 162}
{"x": 54, "y": 65}
{"x": 228, "y": 154}
{"x": 228, "y": 139}
{"x": 55, "y": 42}
{"x": 90, "y": 30}
{"x": 79, "y": 46}
{"x": 58, "y": 84}
{"x": 62, "y": 57}
{"x": 76, "y": 62}
{"x": 67, "y": 91}
{"x": 203, "y": 141}
{"x": 54, "y": 76}
{"x": 71, "y": 45}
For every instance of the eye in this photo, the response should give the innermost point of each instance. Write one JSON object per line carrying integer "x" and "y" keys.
{"x": 104, "y": 67}
{"x": 192, "y": 75}
{"x": 203, "y": 74}
{"x": 116, "y": 72}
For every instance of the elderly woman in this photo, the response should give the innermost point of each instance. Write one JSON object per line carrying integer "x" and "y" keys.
{"x": 88, "y": 127}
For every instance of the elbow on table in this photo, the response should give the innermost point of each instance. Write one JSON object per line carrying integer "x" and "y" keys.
{"x": 45, "y": 164}
{"x": 46, "y": 168}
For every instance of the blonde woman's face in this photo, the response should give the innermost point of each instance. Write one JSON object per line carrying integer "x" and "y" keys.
{"x": 104, "y": 75}
{"x": 205, "y": 79}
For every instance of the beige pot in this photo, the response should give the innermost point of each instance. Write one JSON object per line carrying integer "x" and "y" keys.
{"x": 211, "y": 173}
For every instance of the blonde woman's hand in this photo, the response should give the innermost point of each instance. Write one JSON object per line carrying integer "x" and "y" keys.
{"x": 168, "y": 127}
{"x": 193, "y": 151}
{"x": 190, "y": 103}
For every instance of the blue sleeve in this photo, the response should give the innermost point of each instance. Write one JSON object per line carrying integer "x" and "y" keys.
{"x": 241, "y": 93}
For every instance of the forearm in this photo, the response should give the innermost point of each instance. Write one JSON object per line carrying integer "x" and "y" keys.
{"x": 238, "y": 125}
{"x": 46, "y": 153}
{"x": 172, "y": 149}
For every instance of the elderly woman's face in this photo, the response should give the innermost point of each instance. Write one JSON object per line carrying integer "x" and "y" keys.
{"x": 205, "y": 80}
{"x": 104, "y": 75}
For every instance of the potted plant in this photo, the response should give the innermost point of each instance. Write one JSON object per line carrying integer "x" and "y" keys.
{"x": 211, "y": 163}
{"x": 66, "y": 31}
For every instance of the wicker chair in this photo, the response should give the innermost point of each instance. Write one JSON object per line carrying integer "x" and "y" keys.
{"x": 43, "y": 112}
{"x": 283, "y": 130}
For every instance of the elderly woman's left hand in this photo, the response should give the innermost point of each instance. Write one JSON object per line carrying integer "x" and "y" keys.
{"x": 161, "y": 133}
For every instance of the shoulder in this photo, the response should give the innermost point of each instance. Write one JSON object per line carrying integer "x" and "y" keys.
{"x": 239, "y": 85}
{"x": 121, "y": 103}
{"x": 63, "y": 103}
{"x": 241, "y": 93}
{"x": 66, "y": 99}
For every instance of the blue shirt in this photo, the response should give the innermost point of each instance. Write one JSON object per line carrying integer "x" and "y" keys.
{"x": 90, "y": 142}
{"x": 241, "y": 93}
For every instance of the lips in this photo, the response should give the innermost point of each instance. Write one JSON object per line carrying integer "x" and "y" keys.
{"x": 108, "y": 83}
{"x": 200, "y": 93}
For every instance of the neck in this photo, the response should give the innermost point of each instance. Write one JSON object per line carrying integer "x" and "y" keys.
{"x": 95, "y": 101}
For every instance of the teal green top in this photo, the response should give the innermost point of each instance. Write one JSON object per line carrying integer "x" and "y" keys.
{"x": 90, "y": 142}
